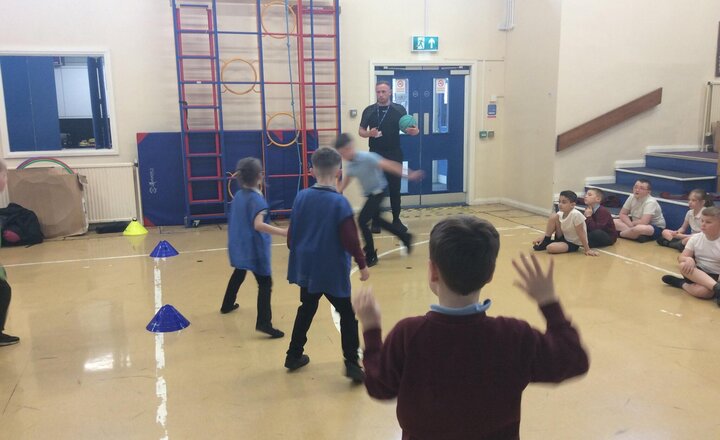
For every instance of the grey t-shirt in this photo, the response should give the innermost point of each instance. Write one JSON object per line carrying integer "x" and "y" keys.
{"x": 366, "y": 167}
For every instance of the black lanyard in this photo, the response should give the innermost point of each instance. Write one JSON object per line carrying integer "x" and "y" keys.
{"x": 380, "y": 121}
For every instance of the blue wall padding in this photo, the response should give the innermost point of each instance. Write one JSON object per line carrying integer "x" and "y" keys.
{"x": 162, "y": 153}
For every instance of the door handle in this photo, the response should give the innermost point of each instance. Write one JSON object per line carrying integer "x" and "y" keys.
{"x": 426, "y": 123}
{"x": 415, "y": 116}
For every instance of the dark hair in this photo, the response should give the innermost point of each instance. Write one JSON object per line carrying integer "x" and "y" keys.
{"x": 570, "y": 195}
{"x": 343, "y": 140}
{"x": 383, "y": 83}
{"x": 598, "y": 192}
{"x": 704, "y": 196}
{"x": 464, "y": 248}
{"x": 325, "y": 161}
{"x": 248, "y": 171}
{"x": 645, "y": 181}
{"x": 712, "y": 211}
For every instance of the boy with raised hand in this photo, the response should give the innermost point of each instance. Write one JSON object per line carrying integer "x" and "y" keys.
{"x": 456, "y": 372}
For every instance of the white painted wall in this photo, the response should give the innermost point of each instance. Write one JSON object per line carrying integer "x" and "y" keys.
{"x": 564, "y": 63}
{"x": 612, "y": 52}
{"x": 531, "y": 76}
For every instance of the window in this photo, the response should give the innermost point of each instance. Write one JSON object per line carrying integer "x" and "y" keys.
{"x": 54, "y": 103}
{"x": 441, "y": 105}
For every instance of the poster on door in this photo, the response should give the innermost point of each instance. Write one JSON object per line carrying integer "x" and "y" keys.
{"x": 440, "y": 85}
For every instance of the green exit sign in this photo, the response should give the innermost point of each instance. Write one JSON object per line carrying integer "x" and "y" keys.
{"x": 425, "y": 44}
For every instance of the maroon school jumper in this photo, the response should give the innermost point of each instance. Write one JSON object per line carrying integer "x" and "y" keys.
{"x": 462, "y": 377}
{"x": 602, "y": 219}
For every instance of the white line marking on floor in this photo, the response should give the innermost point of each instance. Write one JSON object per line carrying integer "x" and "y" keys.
{"x": 160, "y": 384}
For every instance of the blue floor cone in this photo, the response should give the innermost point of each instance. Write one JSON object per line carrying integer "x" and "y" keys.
{"x": 167, "y": 319}
{"x": 163, "y": 250}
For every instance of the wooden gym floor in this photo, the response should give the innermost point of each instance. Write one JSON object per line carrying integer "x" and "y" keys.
{"x": 86, "y": 368}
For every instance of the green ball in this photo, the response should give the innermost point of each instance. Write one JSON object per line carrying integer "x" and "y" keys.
{"x": 406, "y": 122}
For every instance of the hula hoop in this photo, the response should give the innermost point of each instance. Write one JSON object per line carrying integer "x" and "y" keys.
{"x": 232, "y": 178}
{"x": 272, "y": 141}
{"x": 262, "y": 16}
{"x": 227, "y": 87}
{"x": 34, "y": 160}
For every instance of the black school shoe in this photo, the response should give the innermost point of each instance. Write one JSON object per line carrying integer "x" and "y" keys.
{"x": 226, "y": 311}
{"x": 269, "y": 330}
{"x": 675, "y": 281}
{"x": 292, "y": 363}
{"x": 371, "y": 259}
{"x": 662, "y": 241}
{"x": 716, "y": 290}
{"x": 543, "y": 244}
{"x": 399, "y": 226}
{"x": 643, "y": 239}
{"x": 676, "y": 244}
{"x": 407, "y": 242}
{"x": 8, "y": 340}
{"x": 354, "y": 371}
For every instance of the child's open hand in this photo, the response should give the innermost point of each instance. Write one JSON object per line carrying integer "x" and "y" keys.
{"x": 366, "y": 309}
{"x": 537, "y": 285}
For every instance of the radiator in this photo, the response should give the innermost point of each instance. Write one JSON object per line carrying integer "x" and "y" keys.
{"x": 110, "y": 192}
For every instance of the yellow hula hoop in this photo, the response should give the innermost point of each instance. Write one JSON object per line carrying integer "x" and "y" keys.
{"x": 262, "y": 18}
{"x": 227, "y": 87}
{"x": 267, "y": 129}
{"x": 231, "y": 178}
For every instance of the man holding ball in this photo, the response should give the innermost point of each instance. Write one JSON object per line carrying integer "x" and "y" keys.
{"x": 380, "y": 123}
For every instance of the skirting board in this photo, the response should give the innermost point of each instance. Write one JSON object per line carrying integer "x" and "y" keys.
{"x": 663, "y": 148}
{"x": 514, "y": 204}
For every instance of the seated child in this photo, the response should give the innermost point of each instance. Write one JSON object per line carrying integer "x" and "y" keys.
{"x": 456, "y": 372}
{"x": 697, "y": 199}
{"x": 600, "y": 225}
{"x": 641, "y": 217}
{"x": 700, "y": 261}
{"x": 569, "y": 228}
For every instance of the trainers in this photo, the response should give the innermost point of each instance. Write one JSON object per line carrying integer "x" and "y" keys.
{"x": 399, "y": 226}
{"x": 675, "y": 281}
{"x": 375, "y": 229}
{"x": 234, "y": 307}
{"x": 354, "y": 371}
{"x": 371, "y": 259}
{"x": 8, "y": 340}
{"x": 269, "y": 330}
{"x": 407, "y": 242}
{"x": 292, "y": 363}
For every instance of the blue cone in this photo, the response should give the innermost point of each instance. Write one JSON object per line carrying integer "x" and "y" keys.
{"x": 163, "y": 250}
{"x": 167, "y": 319}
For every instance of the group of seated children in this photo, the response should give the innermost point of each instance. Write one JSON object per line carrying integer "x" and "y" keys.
{"x": 592, "y": 228}
{"x": 641, "y": 219}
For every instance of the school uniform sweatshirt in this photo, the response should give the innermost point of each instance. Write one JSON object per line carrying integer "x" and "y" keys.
{"x": 462, "y": 377}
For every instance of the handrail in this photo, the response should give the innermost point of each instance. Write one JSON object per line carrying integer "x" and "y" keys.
{"x": 608, "y": 120}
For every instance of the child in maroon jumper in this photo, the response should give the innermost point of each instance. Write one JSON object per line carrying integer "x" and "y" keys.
{"x": 601, "y": 230}
{"x": 456, "y": 372}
